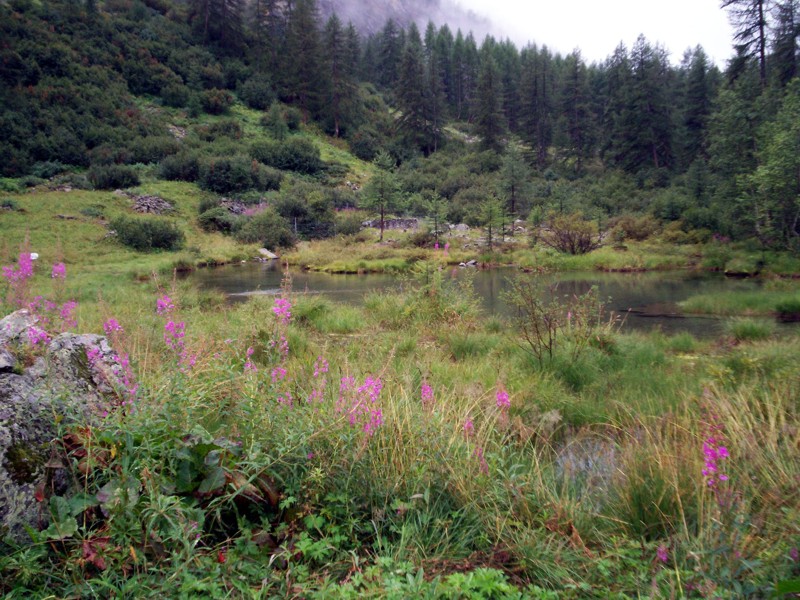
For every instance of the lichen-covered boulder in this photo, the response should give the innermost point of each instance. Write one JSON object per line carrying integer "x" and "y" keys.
{"x": 66, "y": 384}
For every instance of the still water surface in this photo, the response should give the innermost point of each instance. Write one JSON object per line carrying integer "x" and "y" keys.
{"x": 646, "y": 300}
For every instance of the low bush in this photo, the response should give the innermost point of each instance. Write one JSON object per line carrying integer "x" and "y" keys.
{"x": 237, "y": 174}
{"x": 217, "y": 219}
{"x": 216, "y": 101}
{"x": 228, "y": 128}
{"x": 144, "y": 234}
{"x": 294, "y": 154}
{"x": 267, "y": 228}
{"x": 257, "y": 93}
{"x": 112, "y": 177}
{"x": 184, "y": 166}
{"x": 153, "y": 149}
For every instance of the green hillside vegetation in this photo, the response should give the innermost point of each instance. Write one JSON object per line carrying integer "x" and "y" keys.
{"x": 412, "y": 446}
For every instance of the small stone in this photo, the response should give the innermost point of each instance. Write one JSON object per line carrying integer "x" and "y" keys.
{"x": 267, "y": 254}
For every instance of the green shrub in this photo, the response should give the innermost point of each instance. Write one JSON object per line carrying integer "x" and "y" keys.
{"x": 628, "y": 227}
{"x": 95, "y": 211}
{"x": 348, "y": 222}
{"x": 111, "y": 177}
{"x": 257, "y": 93}
{"x": 153, "y": 149}
{"x": 294, "y": 154}
{"x": 228, "y": 128}
{"x": 743, "y": 330}
{"x": 237, "y": 174}
{"x": 48, "y": 169}
{"x": 8, "y": 204}
{"x": 145, "y": 234}
{"x": 184, "y": 166}
{"x": 217, "y": 219}
{"x": 175, "y": 95}
{"x": 267, "y": 228}
{"x": 216, "y": 101}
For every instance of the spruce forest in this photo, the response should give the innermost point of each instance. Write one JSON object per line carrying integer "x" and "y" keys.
{"x": 161, "y": 436}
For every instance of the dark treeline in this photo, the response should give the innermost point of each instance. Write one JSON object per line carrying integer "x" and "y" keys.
{"x": 718, "y": 151}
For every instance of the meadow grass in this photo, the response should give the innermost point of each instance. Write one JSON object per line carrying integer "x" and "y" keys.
{"x": 254, "y": 474}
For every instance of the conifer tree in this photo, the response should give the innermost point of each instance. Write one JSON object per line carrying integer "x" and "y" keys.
{"x": 489, "y": 123}
{"x": 749, "y": 17}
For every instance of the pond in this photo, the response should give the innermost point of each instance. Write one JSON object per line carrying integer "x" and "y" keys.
{"x": 646, "y": 301}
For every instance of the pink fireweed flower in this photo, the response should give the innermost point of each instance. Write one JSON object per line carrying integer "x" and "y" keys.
{"x": 714, "y": 453}
{"x": 174, "y": 334}
{"x": 482, "y": 464}
{"x": 278, "y": 374}
{"x": 426, "y": 392}
{"x": 320, "y": 366}
{"x": 112, "y": 327}
{"x": 68, "y": 321}
{"x": 361, "y": 404}
{"x": 503, "y": 401}
{"x": 249, "y": 365}
{"x": 283, "y": 310}
{"x": 164, "y": 305}
{"x": 59, "y": 271}
{"x": 662, "y": 554}
{"x": 37, "y": 336}
{"x": 436, "y": 246}
{"x": 469, "y": 427}
{"x": 446, "y": 247}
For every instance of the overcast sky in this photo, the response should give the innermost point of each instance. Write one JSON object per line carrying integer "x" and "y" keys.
{"x": 596, "y": 27}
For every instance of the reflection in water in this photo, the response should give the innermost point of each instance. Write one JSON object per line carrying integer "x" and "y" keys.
{"x": 645, "y": 300}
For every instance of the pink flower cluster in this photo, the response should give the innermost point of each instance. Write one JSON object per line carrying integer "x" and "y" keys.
{"x": 426, "y": 392}
{"x": 59, "y": 271}
{"x": 503, "y": 400}
{"x": 714, "y": 452}
{"x": 37, "y": 336}
{"x": 483, "y": 466}
{"x": 320, "y": 366}
{"x": 283, "y": 310}
{"x": 112, "y": 328}
{"x": 121, "y": 368}
{"x": 278, "y": 374}
{"x": 22, "y": 272}
{"x": 249, "y": 365}
{"x": 164, "y": 305}
{"x": 18, "y": 277}
{"x": 361, "y": 404}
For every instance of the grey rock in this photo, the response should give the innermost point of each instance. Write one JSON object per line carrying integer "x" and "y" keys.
{"x": 267, "y": 254}
{"x": 7, "y": 361}
{"x": 62, "y": 384}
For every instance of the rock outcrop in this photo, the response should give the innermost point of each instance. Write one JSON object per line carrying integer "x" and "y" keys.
{"x": 41, "y": 392}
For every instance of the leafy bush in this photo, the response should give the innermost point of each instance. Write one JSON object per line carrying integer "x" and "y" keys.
{"x": 571, "y": 234}
{"x": 237, "y": 174}
{"x": 257, "y": 93}
{"x": 295, "y": 154}
{"x": 217, "y": 219}
{"x": 348, "y": 222}
{"x": 145, "y": 234}
{"x": 153, "y": 149}
{"x": 8, "y": 204}
{"x": 95, "y": 211}
{"x": 175, "y": 95}
{"x": 744, "y": 330}
{"x": 629, "y": 227}
{"x": 216, "y": 101}
{"x": 48, "y": 169}
{"x": 111, "y": 177}
{"x": 365, "y": 143}
{"x": 184, "y": 166}
{"x": 267, "y": 228}
{"x": 228, "y": 128}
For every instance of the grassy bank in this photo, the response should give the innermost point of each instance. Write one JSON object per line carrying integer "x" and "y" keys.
{"x": 371, "y": 452}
